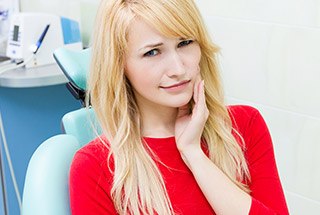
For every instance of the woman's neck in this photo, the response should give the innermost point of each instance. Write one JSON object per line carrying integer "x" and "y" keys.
{"x": 158, "y": 121}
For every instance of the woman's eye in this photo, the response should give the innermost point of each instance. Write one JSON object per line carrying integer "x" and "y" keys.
{"x": 185, "y": 43}
{"x": 151, "y": 53}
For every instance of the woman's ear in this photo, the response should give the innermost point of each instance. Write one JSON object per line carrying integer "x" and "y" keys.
{"x": 124, "y": 66}
{"x": 124, "y": 72}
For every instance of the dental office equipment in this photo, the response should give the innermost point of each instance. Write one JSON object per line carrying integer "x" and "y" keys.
{"x": 34, "y": 36}
{"x": 34, "y": 48}
{"x": 4, "y": 24}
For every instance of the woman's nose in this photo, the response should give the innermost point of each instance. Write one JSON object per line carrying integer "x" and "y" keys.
{"x": 175, "y": 65}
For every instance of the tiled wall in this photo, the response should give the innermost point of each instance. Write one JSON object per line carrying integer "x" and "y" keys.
{"x": 70, "y": 9}
{"x": 270, "y": 59}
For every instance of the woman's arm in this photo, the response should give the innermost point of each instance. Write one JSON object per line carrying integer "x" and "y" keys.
{"x": 266, "y": 189}
{"x": 223, "y": 195}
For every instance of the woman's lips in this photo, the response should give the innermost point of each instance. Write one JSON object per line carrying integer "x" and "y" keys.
{"x": 179, "y": 86}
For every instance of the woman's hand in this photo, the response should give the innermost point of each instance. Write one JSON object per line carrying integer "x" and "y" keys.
{"x": 189, "y": 126}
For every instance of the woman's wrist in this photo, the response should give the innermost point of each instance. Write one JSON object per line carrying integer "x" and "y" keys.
{"x": 191, "y": 155}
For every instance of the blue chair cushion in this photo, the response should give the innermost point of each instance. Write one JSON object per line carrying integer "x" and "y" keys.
{"x": 74, "y": 64}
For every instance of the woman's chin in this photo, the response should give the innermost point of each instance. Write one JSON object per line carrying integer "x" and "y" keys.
{"x": 180, "y": 102}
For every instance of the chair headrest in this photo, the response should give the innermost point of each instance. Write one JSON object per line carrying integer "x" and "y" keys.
{"x": 74, "y": 64}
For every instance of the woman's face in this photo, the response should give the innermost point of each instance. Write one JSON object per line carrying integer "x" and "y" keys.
{"x": 161, "y": 70}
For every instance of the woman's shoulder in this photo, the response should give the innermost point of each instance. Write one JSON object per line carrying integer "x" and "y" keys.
{"x": 90, "y": 178}
{"x": 245, "y": 118}
{"x": 242, "y": 111}
{"x": 93, "y": 154}
{"x": 96, "y": 147}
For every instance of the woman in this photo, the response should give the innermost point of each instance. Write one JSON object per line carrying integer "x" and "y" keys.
{"x": 169, "y": 144}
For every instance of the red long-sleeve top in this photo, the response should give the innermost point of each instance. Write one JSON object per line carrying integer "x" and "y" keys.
{"x": 91, "y": 180}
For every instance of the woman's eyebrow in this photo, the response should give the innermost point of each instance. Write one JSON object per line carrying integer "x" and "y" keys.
{"x": 151, "y": 46}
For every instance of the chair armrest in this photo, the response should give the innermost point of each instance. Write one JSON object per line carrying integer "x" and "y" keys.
{"x": 46, "y": 184}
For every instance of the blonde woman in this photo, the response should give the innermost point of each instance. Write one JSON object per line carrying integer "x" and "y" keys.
{"x": 169, "y": 144}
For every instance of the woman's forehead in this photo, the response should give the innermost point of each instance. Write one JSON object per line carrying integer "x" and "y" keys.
{"x": 141, "y": 29}
{"x": 144, "y": 31}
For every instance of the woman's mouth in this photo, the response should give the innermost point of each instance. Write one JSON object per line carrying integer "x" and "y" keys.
{"x": 176, "y": 87}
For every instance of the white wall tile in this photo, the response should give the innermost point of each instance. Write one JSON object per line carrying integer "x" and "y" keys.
{"x": 296, "y": 140}
{"x": 292, "y": 12}
{"x": 66, "y": 8}
{"x": 301, "y": 205}
{"x": 269, "y": 64}
{"x": 308, "y": 160}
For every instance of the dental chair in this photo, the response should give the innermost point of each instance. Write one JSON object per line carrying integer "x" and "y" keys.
{"x": 46, "y": 184}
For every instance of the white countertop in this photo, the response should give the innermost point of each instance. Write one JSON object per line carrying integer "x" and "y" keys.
{"x": 33, "y": 77}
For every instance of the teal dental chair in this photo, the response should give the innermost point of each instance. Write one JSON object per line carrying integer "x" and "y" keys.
{"x": 46, "y": 183}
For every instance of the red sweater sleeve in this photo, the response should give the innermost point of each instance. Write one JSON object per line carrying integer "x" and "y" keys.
{"x": 267, "y": 193}
{"x": 89, "y": 185}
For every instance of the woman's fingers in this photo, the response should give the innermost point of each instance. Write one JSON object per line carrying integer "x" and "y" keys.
{"x": 183, "y": 111}
{"x": 200, "y": 108}
{"x": 196, "y": 89}
{"x": 202, "y": 101}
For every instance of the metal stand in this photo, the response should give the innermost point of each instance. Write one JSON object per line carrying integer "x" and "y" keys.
{"x": 2, "y": 178}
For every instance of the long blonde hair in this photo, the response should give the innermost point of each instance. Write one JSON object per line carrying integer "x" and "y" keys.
{"x": 138, "y": 186}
